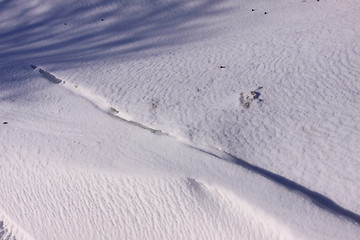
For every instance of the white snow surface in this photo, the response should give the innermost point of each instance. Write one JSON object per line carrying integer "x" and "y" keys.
{"x": 179, "y": 119}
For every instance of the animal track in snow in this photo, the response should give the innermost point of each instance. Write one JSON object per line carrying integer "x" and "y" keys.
{"x": 247, "y": 98}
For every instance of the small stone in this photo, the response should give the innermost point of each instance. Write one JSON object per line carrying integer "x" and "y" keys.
{"x": 252, "y": 10}
{"x": 222, "y": 66}
{"x": 5, "y": 123}
{"x": 265, "y": 13}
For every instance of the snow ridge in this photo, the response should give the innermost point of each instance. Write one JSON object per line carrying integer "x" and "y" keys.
{"x": 317, "y": 198}
{"x": 97, "y": 101}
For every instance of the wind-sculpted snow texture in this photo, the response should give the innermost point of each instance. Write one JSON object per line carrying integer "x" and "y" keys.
{"x": 317, "y": 198}
{"x": 179, "y": 119}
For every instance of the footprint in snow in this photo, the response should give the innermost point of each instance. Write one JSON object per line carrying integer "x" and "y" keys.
{"x": 248, "y": 97}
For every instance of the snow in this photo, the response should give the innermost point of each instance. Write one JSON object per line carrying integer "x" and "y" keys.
{"x": 179, "y": 119}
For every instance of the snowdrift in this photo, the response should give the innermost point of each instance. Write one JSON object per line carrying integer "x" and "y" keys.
{"x": 179, "y": 119}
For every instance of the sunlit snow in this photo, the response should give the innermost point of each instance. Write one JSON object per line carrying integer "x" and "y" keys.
{"x": 179, "y": 119}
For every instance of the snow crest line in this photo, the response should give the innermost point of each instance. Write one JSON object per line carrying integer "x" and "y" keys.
{"x": 317, "y": 198}
{"x": 97, "y": 101}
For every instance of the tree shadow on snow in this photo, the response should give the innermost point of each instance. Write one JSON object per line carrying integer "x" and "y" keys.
{"x": 101, "y": 29}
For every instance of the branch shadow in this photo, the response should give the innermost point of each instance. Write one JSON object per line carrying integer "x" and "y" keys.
{"x": 101, "y": 29}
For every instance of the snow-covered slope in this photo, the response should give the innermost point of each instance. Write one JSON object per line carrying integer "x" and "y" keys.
{"x": 179, "y": 119}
